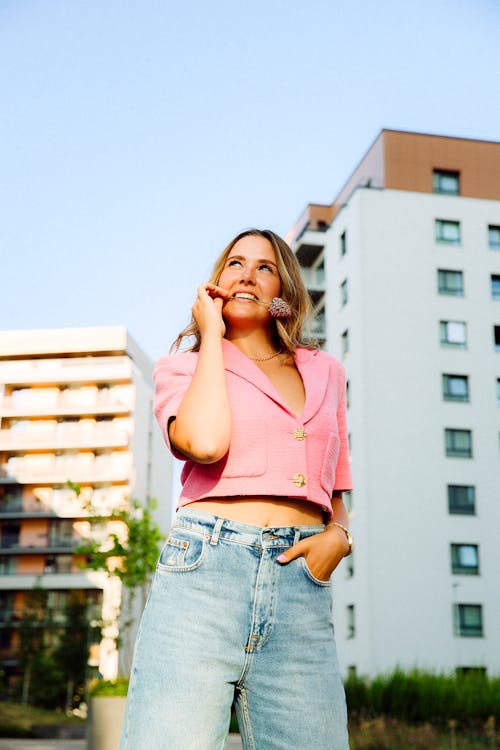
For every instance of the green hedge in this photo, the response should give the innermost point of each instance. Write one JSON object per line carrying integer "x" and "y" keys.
{"x": 110, "y": 688}
{"x": 420, "y": 696}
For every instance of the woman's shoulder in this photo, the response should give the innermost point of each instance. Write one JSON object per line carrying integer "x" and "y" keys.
{"x": 176, "y": 363}
{"x": 318, "y": 356}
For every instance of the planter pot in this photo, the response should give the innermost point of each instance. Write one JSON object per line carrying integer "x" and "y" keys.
{"x": 105, "y": 721}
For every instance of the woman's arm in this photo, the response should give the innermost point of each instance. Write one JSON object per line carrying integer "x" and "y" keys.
{"x": 201, "y": 430}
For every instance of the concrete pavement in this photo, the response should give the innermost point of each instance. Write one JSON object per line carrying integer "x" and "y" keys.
{"x": 233, "y": 743}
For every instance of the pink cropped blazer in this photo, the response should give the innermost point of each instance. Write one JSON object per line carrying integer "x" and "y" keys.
{"x": 273, "y": 451}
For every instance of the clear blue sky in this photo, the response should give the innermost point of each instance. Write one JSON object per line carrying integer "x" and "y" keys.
{"x": 138, "y": 136}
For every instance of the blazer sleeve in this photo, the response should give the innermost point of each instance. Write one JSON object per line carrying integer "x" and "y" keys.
{"x": 343, "y": 478}
{"x": 172, "y": 376}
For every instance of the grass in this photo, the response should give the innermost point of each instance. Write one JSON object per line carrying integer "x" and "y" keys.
{"x": 17, "y": 720}
{"x": 392, "y": 734}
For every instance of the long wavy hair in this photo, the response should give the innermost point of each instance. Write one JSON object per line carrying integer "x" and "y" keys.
{"x": 288, "y": 332}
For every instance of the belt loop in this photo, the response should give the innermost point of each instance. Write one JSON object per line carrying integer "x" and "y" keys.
{"x": 297, "y": 536}
{"x": 216, "y": 532}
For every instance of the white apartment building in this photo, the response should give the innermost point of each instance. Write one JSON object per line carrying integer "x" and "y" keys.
{"x": 75, "y": 405}
{"x": 404, "y": 269}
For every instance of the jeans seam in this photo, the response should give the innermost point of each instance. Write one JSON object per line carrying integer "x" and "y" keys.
{"x": 246, "y": 729}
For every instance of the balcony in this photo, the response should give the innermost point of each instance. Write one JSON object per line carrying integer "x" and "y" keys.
{"x": 61, "y": 503}
{"x": 106, "y": 369}
{"x": 12, "y": 544}
{"x": 55, "y": 402}
{"x": 318, "y": 328}
{"x": 63, "y": 436}
{"x": 87, "y": 469}
{"x": 314, "y": 278}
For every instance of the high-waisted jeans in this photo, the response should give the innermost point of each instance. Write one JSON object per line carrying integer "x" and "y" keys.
{"x": 225, "y": 623}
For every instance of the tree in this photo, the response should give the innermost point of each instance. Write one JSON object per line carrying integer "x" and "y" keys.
{"x": 130, "y": 556}
{"x": 71, "y": 651}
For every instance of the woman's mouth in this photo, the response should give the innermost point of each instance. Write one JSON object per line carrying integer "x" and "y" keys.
{"x": 245, "y": 295}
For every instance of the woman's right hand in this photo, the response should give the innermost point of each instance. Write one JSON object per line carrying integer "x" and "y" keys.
{"x": 207, "y": 309}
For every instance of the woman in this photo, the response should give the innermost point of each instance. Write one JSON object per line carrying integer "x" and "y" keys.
{"x": 239, "y": 610}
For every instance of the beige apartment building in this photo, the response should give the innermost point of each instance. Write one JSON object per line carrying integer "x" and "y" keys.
{"x": 404, "y": 271}
{"x": 75, "y": 406}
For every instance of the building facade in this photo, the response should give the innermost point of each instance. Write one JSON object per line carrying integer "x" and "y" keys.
{"x": 404, "y": 268}
{"x": 77, "y": 437}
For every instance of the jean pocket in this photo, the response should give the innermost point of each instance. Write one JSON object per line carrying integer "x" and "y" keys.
{"x": 311, "y": 576}
{"x": 184, "y": 550}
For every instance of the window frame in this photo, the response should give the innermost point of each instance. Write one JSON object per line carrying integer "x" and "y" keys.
{"x": 440, "y": 232}
{"x": 453, "y": 494}
{"x": 450, "y": 290}
{"x": 450, "y": 442}
{"x": 448, "y": 395}
{"x": 344, "y": 292}
{"x": 444, "y": 174}
{"x": 343, "y": 243}
{"x": 494, "y": 236}
{"x": 495, "y": 278}
{"x": 444, "y": 333}
{"x": 461, "y": 628}
{"x": 458, "y": 567}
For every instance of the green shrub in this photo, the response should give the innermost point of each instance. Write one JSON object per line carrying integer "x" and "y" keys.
{"x": 112, "y": 688}
{"x": 418, "y": 696}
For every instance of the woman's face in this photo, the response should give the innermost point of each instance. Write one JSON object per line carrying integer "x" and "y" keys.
{"x": 250, "y": 273}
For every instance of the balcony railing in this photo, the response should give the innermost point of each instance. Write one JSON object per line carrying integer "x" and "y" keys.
{"x": 59, "y": 437}
{"x": 54, "y": 401}
{"x": 58, "y": 470}
{"x": 45, "y": 542}
{"x": 314, "y": 278}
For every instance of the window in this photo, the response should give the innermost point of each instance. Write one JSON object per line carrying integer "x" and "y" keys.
{"x": 465, "y": 559}
{"x": 480, "y": 671}
{"x": 455, "y": 387}
{"x": 8, "y": 564}
{"x": 453, "y": 333}
{"x": 343, "y": 243}
{"x": 347, "y": 497}
{"x": 445, "y": 181}
{"x": 498, "y": 391}
{"x": 451, "y": 282}
{"x": 448, "y": 232}
{"x": 494, "y": 237}
{"x": 349, "y": 565}
{"x": 462, "y": 499}
{"x": 496, "y": 337}
{"x": 468, "y": 620}
{"x": 351, "y": 621}
{"x": 344, "y": 293}
{"x": 495, "y": 286}
{"x": 458, "y": 443}
{"x": 345, "y": 343}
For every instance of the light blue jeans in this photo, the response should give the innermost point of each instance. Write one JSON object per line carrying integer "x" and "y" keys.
{"x": 226, "y": 623}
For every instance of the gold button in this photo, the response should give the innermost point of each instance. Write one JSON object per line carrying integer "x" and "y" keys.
{"x": 299, "y": 433}
{"x": 299, "y": 480}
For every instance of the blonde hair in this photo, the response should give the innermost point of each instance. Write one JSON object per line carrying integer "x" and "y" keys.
{"x": 288, "y": 331}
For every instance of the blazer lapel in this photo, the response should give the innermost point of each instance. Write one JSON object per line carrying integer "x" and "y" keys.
{"x": 315, "y": 372}
{"x": 313, "y": 369}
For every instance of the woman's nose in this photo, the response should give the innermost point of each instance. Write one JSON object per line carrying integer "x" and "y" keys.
{"x": 248, "y": 274}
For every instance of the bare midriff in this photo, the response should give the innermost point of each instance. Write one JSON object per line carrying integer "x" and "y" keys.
{"x": 262, "y": 511}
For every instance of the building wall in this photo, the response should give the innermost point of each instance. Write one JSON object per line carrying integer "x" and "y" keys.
{"x": 402, "y": 588}
{"x": 75, "y": 404}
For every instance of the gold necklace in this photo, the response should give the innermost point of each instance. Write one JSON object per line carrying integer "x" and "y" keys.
{"x": 264, "y": 359}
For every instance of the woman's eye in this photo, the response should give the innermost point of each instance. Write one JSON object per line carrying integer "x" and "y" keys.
{"x": 266, "y": 267}
{"x": 233, "y": 262}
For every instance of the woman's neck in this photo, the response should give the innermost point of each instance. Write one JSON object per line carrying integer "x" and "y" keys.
{"x": 254, "y": 343}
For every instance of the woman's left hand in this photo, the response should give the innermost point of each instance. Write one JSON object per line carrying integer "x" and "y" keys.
{"x": 322, "y": 552}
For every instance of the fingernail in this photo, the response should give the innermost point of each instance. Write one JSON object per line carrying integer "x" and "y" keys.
{"x": 281, "y": 558}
